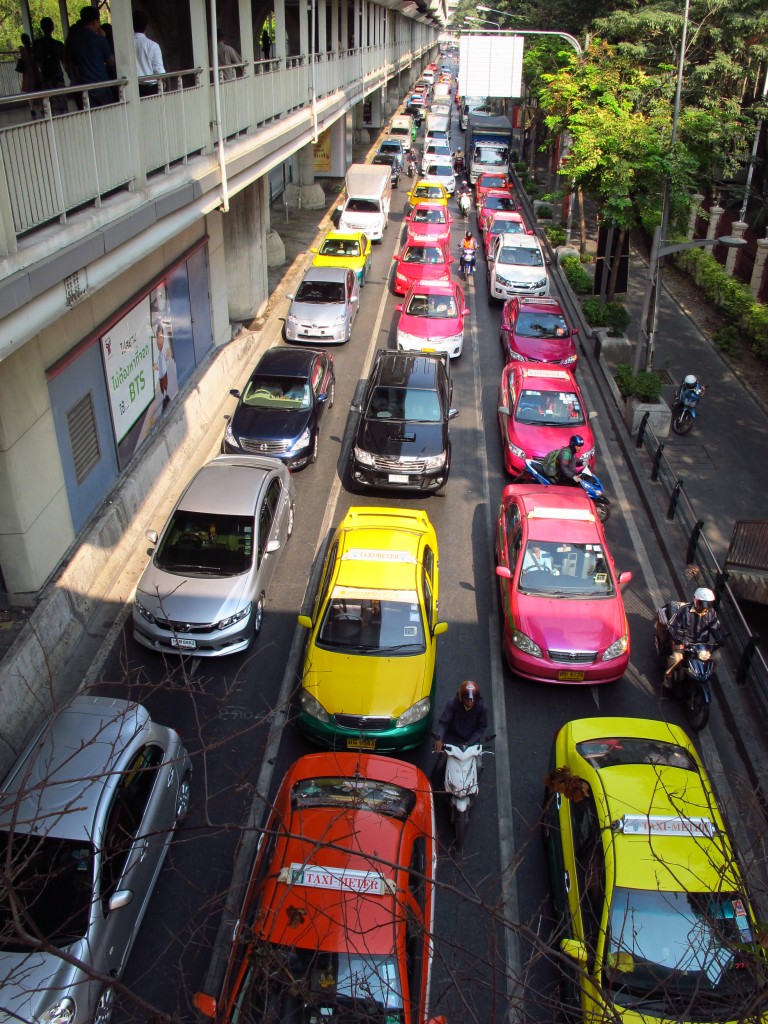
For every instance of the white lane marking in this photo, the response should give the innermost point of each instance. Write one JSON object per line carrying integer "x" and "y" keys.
{"x": 508, "y": 859}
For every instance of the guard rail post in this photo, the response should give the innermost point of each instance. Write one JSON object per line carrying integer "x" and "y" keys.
{"x": 641, "y": 430}
{"x": 690, "y": 554}
{"x": 657, "y": 462}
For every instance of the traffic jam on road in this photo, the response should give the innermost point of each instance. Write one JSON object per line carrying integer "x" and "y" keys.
{"x": 337, "y": 917}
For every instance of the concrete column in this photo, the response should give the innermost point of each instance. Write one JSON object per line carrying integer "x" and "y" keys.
{"x": 245, "y": 237}
{"x": 246, "y": 35}
{"x": 280, "y": 49}
{"x": 715, "y": 213}
{"x": 761, "y": 256}
{"x": 344, "y": 24}
{"x": 335, "y": 30}
{"x": 360, "y": 133}
{"x": 356, "y": 21}
{"x": 201, "y": 57}
{"x": 737, "y": 230}
{"x": 323, "y": 43}
{"x": 307, "y": 194}
{"x": 125, "y": 59}
{"x": 304, "y": 15}
{"x": 696, "y": 200}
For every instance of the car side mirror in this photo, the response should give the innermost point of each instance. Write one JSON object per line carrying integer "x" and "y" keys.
{"x": 396, "y": 259}
{"x": 305, "y": 621}
{"x": 491, "y": 258}
{"x": 503, "y": 572}
{"x": 151, "y": 536}
{"x": 120, "y": 899}
{"x": 322, "y": 398}
{"x": 313, "y": 249}
{"x": 575, "y": 331}
{"x": 440, "y": 628}
{"x": 399, "y": 308}
{"x": 290, "y": 296}
{"x": 625, "y": 577}
{"x": 503, "y": 410}
{"x": 339, "y": 209}
{"x": 272, "y": 546}
{"x": 353, "y": 298}
{"x": 451, "y": 259}
{"x": 575, "y": 949}
{"x": 356, "y": 407}
{"x": 452, "y": 414}
{"x": 234, "y": 392}
{"x": 465, "y": 312}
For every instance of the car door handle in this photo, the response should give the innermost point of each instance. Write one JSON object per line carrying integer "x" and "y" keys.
{"x": 567, "y": 881}
{"x": 171, "y": 777}
{"x": 144, "y": 851}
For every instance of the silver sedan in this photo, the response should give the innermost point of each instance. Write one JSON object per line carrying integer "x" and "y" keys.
{"x": 324, "y": 307}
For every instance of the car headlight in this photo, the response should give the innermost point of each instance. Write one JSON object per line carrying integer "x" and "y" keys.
{"x": 617, "y": 648}
{"x": 410, "y": 339}
{"x": 362, "y": 456}
{"x": 230, "y": 620}
{"x": 414, "y": 713}
{"x": 525, "y": 644}
{"x": 302, "y": 442}
{"x": 143, "y": 612}
{"x": 540, "y": 283}
{"x": 229, "y": 435}
{"x": 435, "y": 461}
{"x": 517, "y": 356}
{"x": 311, "y": 706}
{"x": 449, "y": 342}
{"x": 292, "y": 319}
{"x": 502, "y": 280}
{"x": 518, "y": 452}
{"x": 568, "y": 361}
{"x": 61, "y": 1012}
{"x": 340, "y": 320}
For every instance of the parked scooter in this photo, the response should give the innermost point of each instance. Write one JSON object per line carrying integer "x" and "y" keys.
{"x": 590, "y": 484}
{"x": 691, "y": 677}
{"x": 467, "y": 262}
{"x": 461, "y": 784}
{"x": 686, "y": 399}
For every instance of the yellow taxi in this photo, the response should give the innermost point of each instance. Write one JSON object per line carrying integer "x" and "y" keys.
{"x": 369, "y": 669}
{"x": 345, "y": 249}
{"x": 653, "y": 912}
{"x": 337, "y": 920}
{"x": 428, "y": 191}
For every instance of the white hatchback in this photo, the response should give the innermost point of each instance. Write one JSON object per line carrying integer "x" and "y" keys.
{"x": 441, "y": 173}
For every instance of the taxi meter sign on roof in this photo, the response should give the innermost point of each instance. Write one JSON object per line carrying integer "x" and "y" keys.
{"x": 375, "y": 555}
{"x": 339, "y": 879}
{"x": 658, "y": 825}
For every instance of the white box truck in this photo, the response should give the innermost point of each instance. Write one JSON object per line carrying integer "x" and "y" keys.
{"x": 438, "y": 127}
{"x": 369, "y": 197}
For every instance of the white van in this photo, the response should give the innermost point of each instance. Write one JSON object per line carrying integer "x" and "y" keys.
{"x": 516, "y": 266}
{"x": 369, "y": 197}
{"x": 438, "y": 127}
{"x": 402, "y": 128}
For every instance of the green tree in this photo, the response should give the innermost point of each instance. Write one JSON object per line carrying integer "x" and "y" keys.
{"x": 11, "y": 25}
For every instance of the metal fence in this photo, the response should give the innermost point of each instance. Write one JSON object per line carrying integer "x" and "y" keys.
{"x": 752, "y": 669}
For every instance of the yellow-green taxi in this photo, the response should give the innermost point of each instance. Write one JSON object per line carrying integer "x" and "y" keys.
{"x": 428, "y": 192}
{"x": 345, "y": 249}
{"x": 369, "y": 669}
{"x": 653, "y": 912}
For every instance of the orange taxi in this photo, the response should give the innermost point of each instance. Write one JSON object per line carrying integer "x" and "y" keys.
{"x": 337, "y": 917}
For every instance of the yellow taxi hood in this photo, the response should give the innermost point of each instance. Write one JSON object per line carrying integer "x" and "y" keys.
{"x": 353, "y": 685}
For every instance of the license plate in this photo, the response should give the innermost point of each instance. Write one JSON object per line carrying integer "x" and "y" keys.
{"x": 398, "y": 478}
{"x": 570, "y": 675}
{"x": 361, "y": 744}
{"x": 186, "y": 645}
{"x": 425, "y": 349}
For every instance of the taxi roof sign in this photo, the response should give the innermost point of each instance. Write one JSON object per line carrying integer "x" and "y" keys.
{"x": 530, "y": 371}
{"x": 312, "y": 876}
{"x": 377, "y": 555}
{"x": 661, "y": 825}
{"x": 577, "y": 514}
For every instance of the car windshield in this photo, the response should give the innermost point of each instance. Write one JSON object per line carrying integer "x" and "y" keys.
{"x": 492, "y": 155}
{"x": 541, "y": 325}
{"x": 205, "y": 543}
{"x": 340, "y": 247}
{"x": 520, "y": 257}
{"x": 429, "y": 192}
{"x": 370, "y": 623}
{"x": 356, "y": 793}
{"x": 684, "y": 956}
{"x": 423, "y": 254}
{"x": 437, "y": 307}
{"x": 507, "y": 227}
{"x": 51, "y": 881}
{"x": 331, "y": 292}
{"x": 362, "y": 206}
{"x": 395, "y": 148}
{"x": 281, "y": 393}
{"x": 285, "y": 985}
{"x": 428, "y": 216}
{"x": 559, "y": 569}
{"x": 413, "y": 404}
{"x": 506, "y": 203}
{"x": 549, "y": 408}
{"x": 440, "y": 170}
{"x": 494, "y": 181}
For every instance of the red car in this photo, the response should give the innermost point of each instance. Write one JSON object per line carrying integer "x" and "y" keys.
{"x": 503, "y": 222}
{"x": 337, "y": 919}
{"x": 563, "y": 614}
{"x": 432, "y": 318}
{"x": 487, "y": 181}
{"x": 535, "y": 330}
{"x": 493, "y": 201}
{"x": 539, "y": 408}
{"x": 421, "y": 261}
{"x": 429, "y": 222}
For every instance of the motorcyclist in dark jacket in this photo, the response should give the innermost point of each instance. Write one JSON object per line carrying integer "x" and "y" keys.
{"x": 562, "y": 465}
{"x": 694, "y": 623}
{"x": 464, "y": 720}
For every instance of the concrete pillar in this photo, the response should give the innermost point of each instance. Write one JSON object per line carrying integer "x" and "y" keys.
{"x": 307, "y": 194}
{"x": 715, "y": 213}
{"x": 360, "y": 132}
{"x": 280, "y": 37}
{"x": 696, "y": 200}
{"x": 737, "y": 230}
{"x": 304, "y": 16}
{"x": 125, "y": 58}
{"x": 344, "y": 24}
{"x": 377, "y": 110}
{"x": 335, "y": 29}
{"x": 323, "y": 43}
{"x": 356, "y": 23}
{"x": 761, "y": 256}
{"x": 245, "y": 236}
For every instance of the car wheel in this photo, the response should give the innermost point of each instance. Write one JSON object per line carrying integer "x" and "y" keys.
{"x": 182, "y": 798}
{"x": 331, "y": 394}
{"x": 291, "y": 518}
{"x": 313, "y": 456}
{"x": 103, "y": 1010}
{"x": 258, "y": 615}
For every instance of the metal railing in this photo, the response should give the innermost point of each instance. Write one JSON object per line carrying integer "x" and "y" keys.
{"x": 752, "y": 669}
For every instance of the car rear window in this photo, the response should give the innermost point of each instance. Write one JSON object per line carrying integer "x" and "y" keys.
{"x": 500, "y": 203}
{"x": 429, "y": 216}
{"x": 392, "y": 403}
{"x": 357, "y": 793}
{"x": 609, "y": 751}
{"x": 320, "y": 291}
{"x": 439, "y": 307}
{"x": 340, "y": 247}
{"x": 206, "y": 544}
{"x": 277, "y": 393}
{"x": 375, "y": 625}
{"x": 423, "y": 254}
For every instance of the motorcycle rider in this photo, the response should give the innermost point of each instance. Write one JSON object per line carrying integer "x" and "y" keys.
{"x": 694, "y": 623}
{"x": 458, "y": 161}
{"x": 692, "y": 386}
{"x": 464, "y": 721}
{"x": 562, "y": 465}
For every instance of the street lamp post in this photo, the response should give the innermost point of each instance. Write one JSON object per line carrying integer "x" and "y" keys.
{"x": 646, "y": 338}
{"x": 535, "y": 32}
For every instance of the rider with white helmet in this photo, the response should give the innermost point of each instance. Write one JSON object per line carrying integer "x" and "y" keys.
{"x": 694, "y": 623}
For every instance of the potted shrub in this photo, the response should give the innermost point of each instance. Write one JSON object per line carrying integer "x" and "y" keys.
{"x": 642, "y": 393}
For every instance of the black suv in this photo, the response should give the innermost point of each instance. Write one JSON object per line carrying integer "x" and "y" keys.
{"x": 402, "y": 440}
{"x": 389, "y": 160}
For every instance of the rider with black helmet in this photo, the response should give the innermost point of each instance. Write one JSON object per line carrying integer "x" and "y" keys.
{"x": 464, "y": 720}
{"x": 562, "y": 465}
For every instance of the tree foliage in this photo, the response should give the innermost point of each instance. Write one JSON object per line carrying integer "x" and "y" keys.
{"x": 11, "y": 25}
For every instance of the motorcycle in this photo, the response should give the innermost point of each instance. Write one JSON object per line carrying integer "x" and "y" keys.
{"x": 461, "y": 783}
{"x": 691, "y": 676}
{"x": 465, "y": 204}
{"x": 467, "y": 262}
{"x": 411, "y": 167}
{"x": 589, "y": 483}
{"x": 684, "y": 407}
